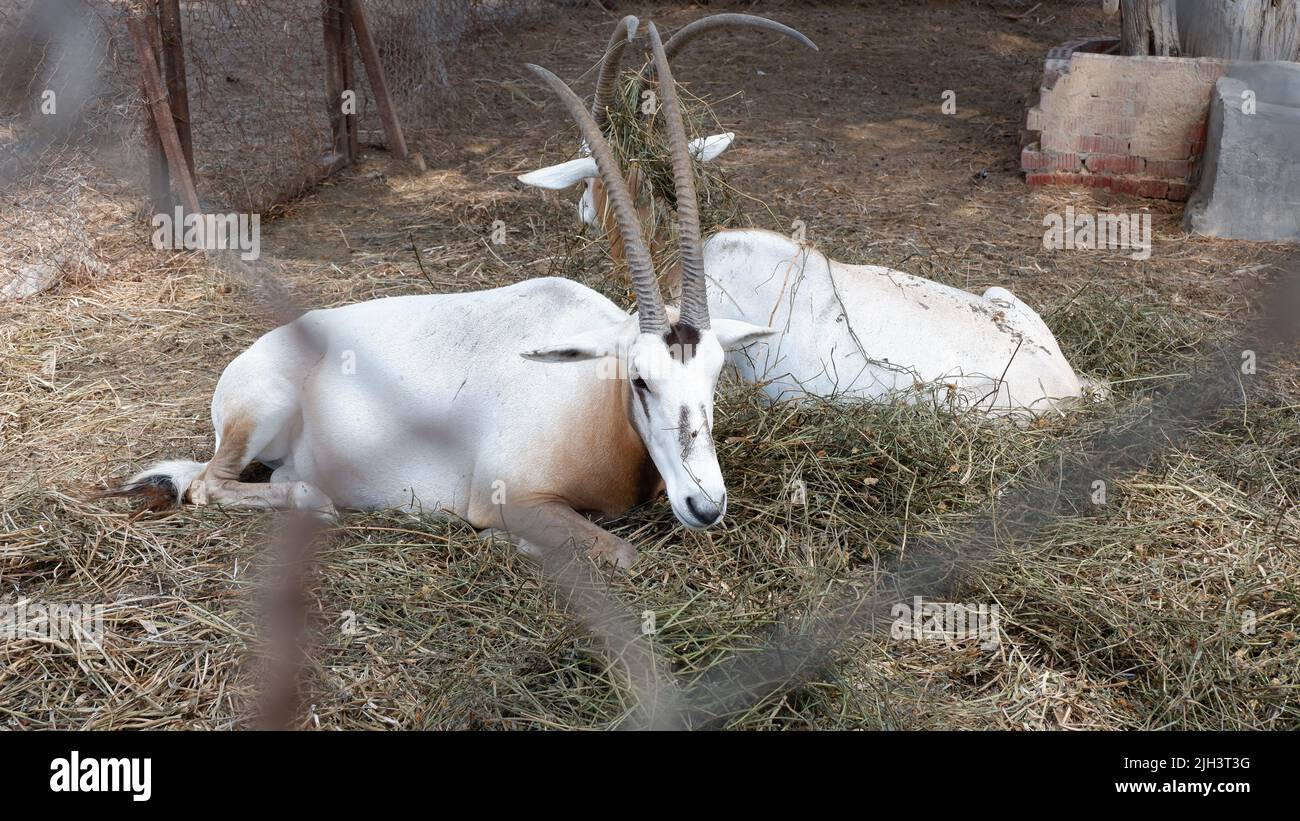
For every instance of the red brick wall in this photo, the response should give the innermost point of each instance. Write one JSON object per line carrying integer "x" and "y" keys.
{"x": 1134, "y": 125}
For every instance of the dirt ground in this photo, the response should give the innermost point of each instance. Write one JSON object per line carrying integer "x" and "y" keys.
{"x": 107, "y": 375}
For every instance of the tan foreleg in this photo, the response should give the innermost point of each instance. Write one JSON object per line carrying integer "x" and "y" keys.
{"x": 555, "y": 528}
{"x": 219, "y": 482}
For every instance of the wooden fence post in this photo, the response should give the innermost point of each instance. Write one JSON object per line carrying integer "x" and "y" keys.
{"x": 351, "y": 125}
{"x": 160, "y": 184}
{"x": 332, "y": 27}
{"x": 156, "y": 96}
{"x": 173, "y": 46}
{"x": 378, "y": 81}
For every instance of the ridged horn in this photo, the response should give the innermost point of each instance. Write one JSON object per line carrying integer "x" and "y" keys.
{"x": 649, "y": 302}
{"x": 715, "y": 21}
{"x": 695, "y": 305}
{"x": 607, "y": 80}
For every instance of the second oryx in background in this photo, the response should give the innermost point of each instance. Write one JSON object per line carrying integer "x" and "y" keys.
{"x": 855, "y": 332}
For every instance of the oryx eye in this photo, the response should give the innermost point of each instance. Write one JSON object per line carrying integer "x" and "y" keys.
{"x": 640, "y": 384}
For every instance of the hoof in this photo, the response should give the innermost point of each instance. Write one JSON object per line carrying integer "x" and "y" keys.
{"x": 621, "y": 554}
{"x": 325, "y": 515}
{"x": 532, "y": 551}
{"x": 308, "y": 498}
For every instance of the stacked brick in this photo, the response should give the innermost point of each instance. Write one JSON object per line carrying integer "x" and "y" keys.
{"x": 1133, "y": 125}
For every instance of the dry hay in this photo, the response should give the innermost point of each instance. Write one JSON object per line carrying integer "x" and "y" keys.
{"x": 1129, "y": 617}
{"x": 641, "y": 141}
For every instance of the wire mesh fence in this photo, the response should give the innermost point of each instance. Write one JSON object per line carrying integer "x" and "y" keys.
{"x": 420, "y": 44}
{"x": 67, "y": 123}
{"x": 73, "y": 117}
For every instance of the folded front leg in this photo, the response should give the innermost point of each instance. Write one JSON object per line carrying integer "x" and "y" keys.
{"x": 552, "y": 528}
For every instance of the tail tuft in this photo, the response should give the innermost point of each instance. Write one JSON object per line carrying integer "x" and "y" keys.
{"x": 160, "y": 487}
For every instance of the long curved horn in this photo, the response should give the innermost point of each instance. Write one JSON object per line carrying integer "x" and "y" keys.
{"x": 649, "y": 302}
{"x": 752, "y": 21}
{"x": 686, "y": 34}
{"x": 607, "y": 80}
{"x": 695, "y": 304}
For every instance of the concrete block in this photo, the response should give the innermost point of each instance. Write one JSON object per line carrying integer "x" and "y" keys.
{"x": 1249, "y": 176}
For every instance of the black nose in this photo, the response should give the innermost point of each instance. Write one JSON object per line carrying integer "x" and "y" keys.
{"x": 704, "y": 510}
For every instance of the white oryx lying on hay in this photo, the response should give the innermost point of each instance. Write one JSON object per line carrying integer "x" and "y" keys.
{"x": 859, "y": 332}
{"x": 519, "y": 408}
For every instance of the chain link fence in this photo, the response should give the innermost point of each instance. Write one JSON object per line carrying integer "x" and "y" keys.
{"x": 74, "y": 123}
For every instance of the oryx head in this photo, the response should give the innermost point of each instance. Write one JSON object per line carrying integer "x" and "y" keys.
{"x": 583, "y": 170}
{"x": 670, "y": 358}
{"x": 705, "y": 149}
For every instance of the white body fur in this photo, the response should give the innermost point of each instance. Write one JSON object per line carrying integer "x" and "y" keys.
{"x": 419, "y": 401}
{"x": 487, "y": 405}
{"x": 870, "y": 333}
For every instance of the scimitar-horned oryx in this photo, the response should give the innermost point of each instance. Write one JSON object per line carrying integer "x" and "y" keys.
{"x": 520, "y": 408}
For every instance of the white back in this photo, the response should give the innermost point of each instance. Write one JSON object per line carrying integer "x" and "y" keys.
{"x": 868, "y": 332}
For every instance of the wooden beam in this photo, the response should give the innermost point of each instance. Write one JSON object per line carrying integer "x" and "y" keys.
{"x": 350, "y": 124}
{"x": 378, "y": 81}
{"x": 173, "y": 48}
{"x": 332, "y": 32}
{"x": 156, "y": 97}
{"x": 160, "y": 184}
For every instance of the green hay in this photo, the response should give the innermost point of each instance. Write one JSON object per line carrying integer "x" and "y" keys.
{"x": 640, "y": 140}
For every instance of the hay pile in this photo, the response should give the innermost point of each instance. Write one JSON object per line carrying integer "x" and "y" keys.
{"x": 639, "y": 140}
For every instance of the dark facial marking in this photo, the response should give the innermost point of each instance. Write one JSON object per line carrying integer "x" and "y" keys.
{"x": 640, "y": 395}
{"x": 567, "y": 353}
{"x": 648, "y": 483}
{"x": 685, "y": 436}
{"x": 681, "y": 340}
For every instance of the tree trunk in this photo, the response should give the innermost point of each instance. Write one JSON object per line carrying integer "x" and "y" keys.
{"x": 1230, "y": 29}
{"x": 1151, "y": 27}
{"x": 1240, "y": 29}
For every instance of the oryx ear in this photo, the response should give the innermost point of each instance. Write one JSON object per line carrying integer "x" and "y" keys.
{"x": 732, "y": 333}
{"x": 587, "y": 345}
{"x": 707, "y": 149}
{"x": 563, "y": 175}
